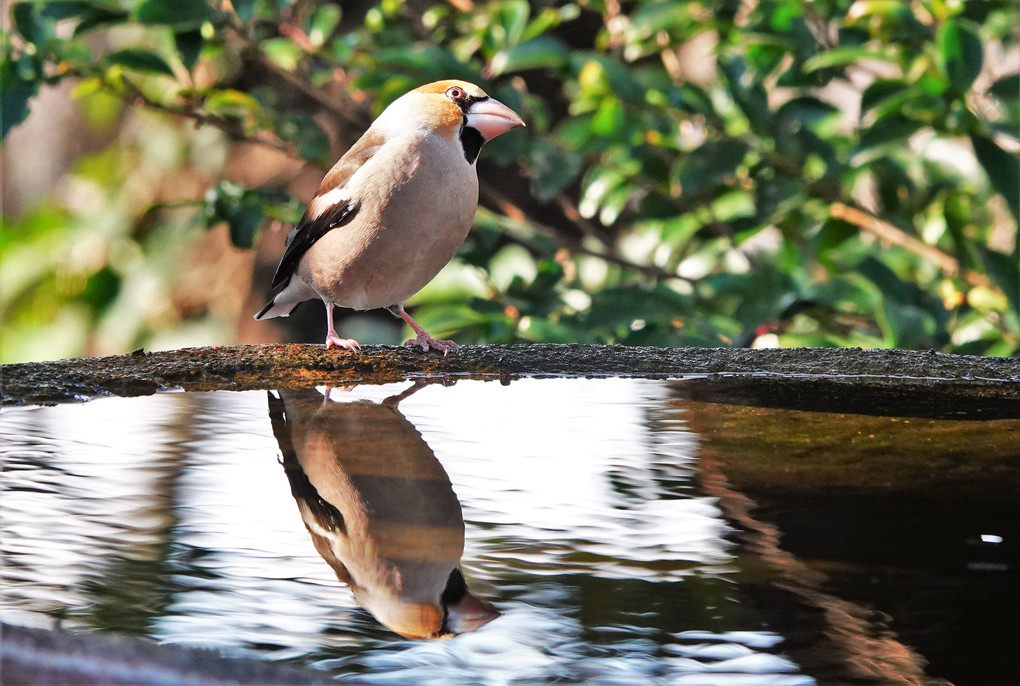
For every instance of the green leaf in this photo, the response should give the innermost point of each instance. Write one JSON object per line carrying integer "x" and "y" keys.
{"x": 908, "y": 315}
{"x": 549, "y": 18}
{"x": 311, "y": 141}
{"x": 691, "y": 98}
{"x": 549, "y": 274}
{"x": 600, "y": 182}
{"x": 1003, "y": 170}
{"x": 748, "y": 92}
{"x": 66, "y": 9}
{"x": 463, "y": 323}
{"x": 243, "y": 209}
{"x": 1005, "y": 272}
{"x": 427, "y": 62}
{"x": 140, "y": 60}
{"x": 609, "y": 118}
{"x": 90, "y": 14}
{"x": 96, "y": 16}
{"x": 245, "y": 9}
{"x": 15, "y": 92}
{"x": 615, "y": 308}
{"x": 323, "y": 24}
{"x": 777, "y": 195}
{"x": 27, "y": 23}
{"x": 244, "y": 223}
{"x": 180, "y": 15}
{"x": 889, "y": 129}
{"x": 882, "y": 91}
{"x": 552, "y": 168}
{"x": 544, "y": 331}
{"x": 833, "y": 234}
{"x": 767, "y": 57}
{"x": 1006, "y": 88}
{"x": 282, "y": 52}
{"x": 650, "y": 18}
{"x": 102, "y": 288}
{"x": 614, "y": 203}
{"x": 895, "y": 188}
{"x": 232, "y": 103}
{"x": 806, "y": 110}
{"x": 709, "y": 165}
{"x": 544, "y": 52}
{"x": 619, "y": 78}
{"x": 189, "y": 47}
{"x": 961, "y": 52}
{"x": 512, "y": 17}
{"x": 840, "y": 57}
{"x": 575, "y": 132}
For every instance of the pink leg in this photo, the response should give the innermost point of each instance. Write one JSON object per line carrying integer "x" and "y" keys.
{"x": 331, "y": 336}
{"x": 424, "y": 340}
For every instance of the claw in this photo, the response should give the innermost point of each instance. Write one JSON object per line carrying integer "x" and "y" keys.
{"x": 332, "y": 339}
{"x": 428, "y": 343}
{"x": 330, "y": 333}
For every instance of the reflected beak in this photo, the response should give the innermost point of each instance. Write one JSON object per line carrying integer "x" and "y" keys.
{"x": 490, "y": 118}
{"x": 469, "y": 613}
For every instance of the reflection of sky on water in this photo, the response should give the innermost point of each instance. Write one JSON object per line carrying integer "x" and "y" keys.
{"x": 575, "y": 476}
{"x": 170, "y": 516}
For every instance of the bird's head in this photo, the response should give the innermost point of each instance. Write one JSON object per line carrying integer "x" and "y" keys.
{"x": 410, "y": 613}
{"x": 454, "y": 109}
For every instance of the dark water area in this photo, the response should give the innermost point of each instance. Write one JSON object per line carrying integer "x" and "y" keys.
{"x": 549, "y": 531}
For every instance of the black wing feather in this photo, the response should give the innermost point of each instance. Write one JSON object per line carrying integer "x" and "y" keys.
{"x": 326, "y": 514}
{"x": 304, "y": 237}
{"x": 307, "y": 233}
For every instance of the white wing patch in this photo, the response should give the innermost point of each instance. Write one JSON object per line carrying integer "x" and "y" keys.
{"x": 321, "y": 203}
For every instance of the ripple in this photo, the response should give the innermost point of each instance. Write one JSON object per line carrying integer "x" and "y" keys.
{"x": 171, "y": 516}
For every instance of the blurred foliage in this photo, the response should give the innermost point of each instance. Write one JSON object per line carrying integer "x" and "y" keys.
{"x": 699, "y": 173}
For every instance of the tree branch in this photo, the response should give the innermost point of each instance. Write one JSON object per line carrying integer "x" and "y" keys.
{"x": 889, "y": 233}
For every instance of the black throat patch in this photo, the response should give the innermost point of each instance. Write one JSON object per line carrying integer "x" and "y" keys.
{"x": 471, "y": 140}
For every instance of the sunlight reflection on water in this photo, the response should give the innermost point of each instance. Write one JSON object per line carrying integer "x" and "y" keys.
{"x": 171, "y": 517}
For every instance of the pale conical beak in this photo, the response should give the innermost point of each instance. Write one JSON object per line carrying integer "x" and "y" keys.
{"x": 490, "y": 118}
{"x": 469, "y": 613}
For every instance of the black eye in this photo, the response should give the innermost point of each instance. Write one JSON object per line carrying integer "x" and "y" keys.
{"x": 455, "y": 93}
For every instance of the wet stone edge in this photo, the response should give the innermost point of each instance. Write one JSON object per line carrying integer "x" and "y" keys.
{"x": 954, "y": 385}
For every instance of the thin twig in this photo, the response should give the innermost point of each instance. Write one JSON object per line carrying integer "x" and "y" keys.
{"x": 891, "y": 234}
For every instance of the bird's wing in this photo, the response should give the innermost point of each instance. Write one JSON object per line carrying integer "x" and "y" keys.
{"x": 304, "y": 236}
{"x": 316, "y": 224}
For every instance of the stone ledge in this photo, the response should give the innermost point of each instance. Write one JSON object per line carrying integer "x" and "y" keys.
{"x": 882, "y": 381}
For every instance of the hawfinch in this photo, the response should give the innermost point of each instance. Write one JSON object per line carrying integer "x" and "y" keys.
{"x": 394, "y": 210}
{"x": 381, "y": 513}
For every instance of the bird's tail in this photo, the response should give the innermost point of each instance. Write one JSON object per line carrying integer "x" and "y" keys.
{"x": 285, "y": 298}
{"x": 275, "y": 309}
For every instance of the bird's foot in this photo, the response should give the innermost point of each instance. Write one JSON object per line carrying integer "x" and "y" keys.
{"x": 428, "y": 342}
{"x": 346, "y": 343}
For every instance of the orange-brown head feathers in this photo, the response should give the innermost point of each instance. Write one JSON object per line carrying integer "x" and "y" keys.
{"x": 440, "y": 87}
{"x": 449, "y": 105}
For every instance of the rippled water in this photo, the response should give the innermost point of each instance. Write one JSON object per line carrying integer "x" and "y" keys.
{"x": 188, "y": 519}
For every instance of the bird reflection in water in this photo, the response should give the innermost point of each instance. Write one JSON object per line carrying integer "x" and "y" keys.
{"x": 380, "y": 509}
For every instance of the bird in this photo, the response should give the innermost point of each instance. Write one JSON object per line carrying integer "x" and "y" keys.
{"x": 394, "y": 210}
{"x": 380, "y": 509}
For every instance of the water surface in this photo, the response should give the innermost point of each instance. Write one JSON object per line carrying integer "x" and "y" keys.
{"x": 588, "y": 527}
